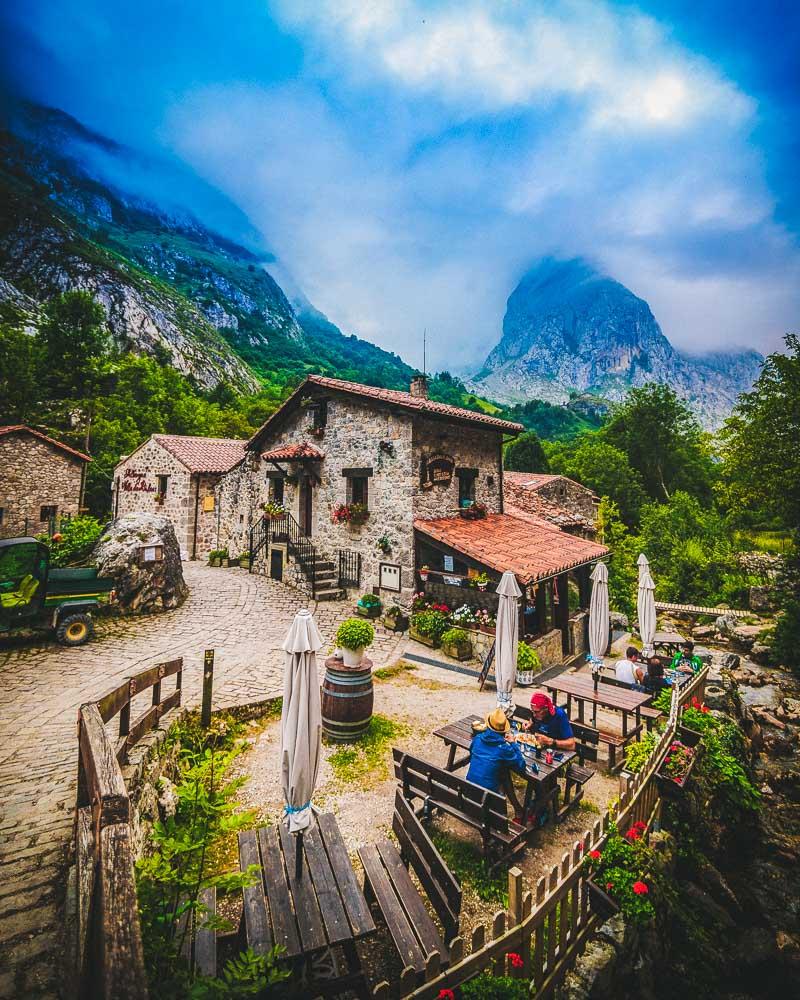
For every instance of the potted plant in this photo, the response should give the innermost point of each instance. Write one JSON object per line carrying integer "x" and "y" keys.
{"x": 160, "y": 498}
{"x": 676, "y": 768}
{"x": 273, "y": 510}
{"x": 223, "y": 557}
{"x": 427, "y": 627}
{"x": 359, "y": 513}
{"x": 486, "y": 621}
{"x": 384, "y": 544}
{"x": 472, "y": 510}
{"x": 423, "y": 573}
{"x": 528, "y": 664}
{"x": 244, "y": 560}
{"x": 618, "y": 876}
{"x": 395, "y": 618}
{"x": 340, "y": 513}
{"x": 455, "y": 643}
{"x": 369, "y": 606}
{"x": 482, "y": 581}
{"x": 352, "y": 637}
{"x": 214, "y": 557}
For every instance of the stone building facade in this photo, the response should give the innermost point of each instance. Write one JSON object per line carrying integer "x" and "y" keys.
{"x": 177, "y": 476}
{"x": 561, "y": 501}
{"x": 41, "y": 480}
{"x": 337, "y": 443}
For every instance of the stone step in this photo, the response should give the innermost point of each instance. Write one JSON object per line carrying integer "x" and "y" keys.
{"x": 328, "y": 576}
{"x": 324, "y": 564}
{"x": 329, "y": 594}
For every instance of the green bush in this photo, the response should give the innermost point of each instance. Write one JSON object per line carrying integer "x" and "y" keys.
{"x": 722, "y": 763}
{"x": 638, "y": 752}
{"x": 72, "y": 544}
{"x": 489, "y": 987}
{"x": 355, "y": 633}
{"x": 454, "y": 637}
{"x": 369, "y": 601}
{"x": 527, "y": 658}
{"x": 431, "y": 624}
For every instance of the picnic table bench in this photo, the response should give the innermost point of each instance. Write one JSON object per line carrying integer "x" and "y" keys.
{"x": 476, "y": 807}
{"x": 387, "y": 881}
{"x": 322, "y": 909}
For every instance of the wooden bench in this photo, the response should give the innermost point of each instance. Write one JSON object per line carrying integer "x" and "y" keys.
{"x": 200, "y": 943}
{"x": 480, "y": 808}
{"x": 388, "y": 883}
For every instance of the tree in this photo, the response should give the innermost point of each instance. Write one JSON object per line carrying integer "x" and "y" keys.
{"x": 75, "y": 341}
{"x": 606, "y": 470}
{"x": 623, "y": 573}
{"x": 526, "y": 454}
{"x": 19, "y": 377}
{"x": 663, "y": 442}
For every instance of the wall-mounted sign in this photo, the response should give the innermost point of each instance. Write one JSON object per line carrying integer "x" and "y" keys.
{"x": 134, "y": 481}
{"x": 151, "y": 554}
{"x": 437, "y": 470}
{"x": 389, "y": 576}
{"x": 208, "y": 504}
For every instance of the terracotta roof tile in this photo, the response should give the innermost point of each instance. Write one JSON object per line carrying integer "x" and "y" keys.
{"x": 12, "y": 428}
{"x": 202, "y": 454}
{"x": 536, "y": 480}
{"x": 289, "y": 452}
{"x": 501, "y": 541}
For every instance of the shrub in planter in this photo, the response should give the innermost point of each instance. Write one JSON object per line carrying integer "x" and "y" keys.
{"x": 528, "y": 664}
{"x": 637, "y": 753}
{"x": 428, "y": 626}
{"x": 489, "y": 987}
{"x": 456, "y": 643}
{"x": 358, "y": 513}
{"x": 215, "y": 557}
{"x": 369, "y": 606}
{"x": 395, "y": 618}
{"x": 353, "y": 636}
{"x": 621, "y": 874}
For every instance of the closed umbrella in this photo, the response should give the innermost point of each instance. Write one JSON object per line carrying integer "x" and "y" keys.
{"x": 646, "y": 606}
{"x": 507, "y": 638}
{"x": 301, "y": 725}
{"x": 598, "y": 619}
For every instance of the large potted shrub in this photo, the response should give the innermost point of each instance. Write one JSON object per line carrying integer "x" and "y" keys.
{"x": 456, "y": 643}
{"x": 369, "y": 606}
{"x": 215, "y": 557}
{"x": 352, "y": 637}
{"x": 427, "y": 627}
{"x": 528, "y": 664}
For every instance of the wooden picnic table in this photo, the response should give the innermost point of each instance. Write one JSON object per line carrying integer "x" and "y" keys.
{"x": 543, "y": 781}
{"x": 670, "y": 642}
{"x": 619, "y": 699}
{"x": 322, "y": 909}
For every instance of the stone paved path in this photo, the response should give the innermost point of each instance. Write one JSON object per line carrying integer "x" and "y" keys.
{"x": 243, "y": 617}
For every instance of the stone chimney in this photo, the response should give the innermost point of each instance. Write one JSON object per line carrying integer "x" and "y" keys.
{"x": 419, "y": 387}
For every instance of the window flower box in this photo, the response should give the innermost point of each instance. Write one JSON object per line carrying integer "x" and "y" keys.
{"x": 676, "y": 769}
{"x": 601, "y": 903}
{"x": 426, "y": 640}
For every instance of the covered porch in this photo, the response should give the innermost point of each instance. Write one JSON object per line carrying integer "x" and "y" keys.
{"x": 465, "y": 559}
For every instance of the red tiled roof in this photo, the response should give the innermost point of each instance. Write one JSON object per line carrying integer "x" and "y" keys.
{"x": 23, "y": 428}
{"x": 532, "y": 551}
{"x": 396, "y": 398}
{"x": 289, "y": 452}
{"x": 202, "y": 454}
{"x": 536, "y": 480}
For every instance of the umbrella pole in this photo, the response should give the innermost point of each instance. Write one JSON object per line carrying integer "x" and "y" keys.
{"x": 298, "y": 856}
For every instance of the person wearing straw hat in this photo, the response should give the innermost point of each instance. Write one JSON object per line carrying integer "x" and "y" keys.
{"x": 493, "y": 756}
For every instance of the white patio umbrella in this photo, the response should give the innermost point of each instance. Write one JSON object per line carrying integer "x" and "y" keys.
{"x": 646, "y": 606}
{"x": 301, "y": 725}
{"x": 507, "y": 638}
{"x": 598, "y": 619}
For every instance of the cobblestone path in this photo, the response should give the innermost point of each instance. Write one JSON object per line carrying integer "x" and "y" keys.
{"x": 243, "y": 617}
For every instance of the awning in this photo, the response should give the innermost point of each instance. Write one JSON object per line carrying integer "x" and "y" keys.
{"x": 501, "y": 541}
{"x": 293, "y": 453}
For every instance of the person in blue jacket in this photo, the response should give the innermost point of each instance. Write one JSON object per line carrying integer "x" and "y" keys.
{"x": 493, "y": 757}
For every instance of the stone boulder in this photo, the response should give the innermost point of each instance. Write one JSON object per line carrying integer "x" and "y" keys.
{"x": 726, "y": 624}
{"x": 142, "y": 587}
{"x": 746, "y": 635}
{"x": 618, "y": 621}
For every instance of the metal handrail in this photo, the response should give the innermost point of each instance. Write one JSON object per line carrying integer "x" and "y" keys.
{"x": 285, "y": 528}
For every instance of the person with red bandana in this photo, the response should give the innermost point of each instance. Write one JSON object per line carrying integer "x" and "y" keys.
{"x": 550, "y": 723}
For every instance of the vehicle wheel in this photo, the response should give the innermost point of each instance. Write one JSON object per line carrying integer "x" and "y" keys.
{"x": 75, "y": 630}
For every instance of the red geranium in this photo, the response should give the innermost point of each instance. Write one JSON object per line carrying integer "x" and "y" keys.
{"x": 640, "y": 888}
{"x": 640, "y": 826}
{"x": 633, "y": 834}
{"x": 595, "y": 855}
{"x": 609, "y": 885}
{"x": 515, "y": 960}
{"x": 446, "y": 995}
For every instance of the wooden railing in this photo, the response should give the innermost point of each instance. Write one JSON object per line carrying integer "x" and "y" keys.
{"x": 109, "y": 956}
{"x": 549, "y": 927}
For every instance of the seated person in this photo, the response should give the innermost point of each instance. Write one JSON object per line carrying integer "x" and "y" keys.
{"x": 629, "y": 670}
{"x": 493, "y": 755}
{"x": 550, "y": 723}
{"x": 686, "y": 661}
{"x": 654, "y": 680}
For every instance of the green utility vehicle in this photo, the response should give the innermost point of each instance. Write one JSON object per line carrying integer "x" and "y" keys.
{"x": 32, "y": 595}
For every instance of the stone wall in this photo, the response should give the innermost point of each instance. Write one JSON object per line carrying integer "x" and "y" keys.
{"x": 35, "y": 474}
{"x": 548, "y": 647}
{"x": 136, "y": 489}
{"x": 239, "y": 495}
{"x": 454, "y": 597}
{"x": 578, "y": 628}
{"x": 571, "y": 496}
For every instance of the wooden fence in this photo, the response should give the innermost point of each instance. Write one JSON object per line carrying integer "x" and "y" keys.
{"x": 548, "y": 928}
{"x": 109, "y": 956}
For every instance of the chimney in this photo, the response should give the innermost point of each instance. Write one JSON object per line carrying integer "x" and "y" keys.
{"x": 419, "y": 387}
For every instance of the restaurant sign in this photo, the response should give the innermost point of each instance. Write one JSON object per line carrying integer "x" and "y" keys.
{"x": 437, "y": 470}
{"x": 136, "y": 482}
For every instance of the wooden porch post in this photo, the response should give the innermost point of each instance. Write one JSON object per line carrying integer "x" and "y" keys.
{"x": 584, "y": 587}
{"x": 541, "y": 608}
{"x": 562, "y": 610}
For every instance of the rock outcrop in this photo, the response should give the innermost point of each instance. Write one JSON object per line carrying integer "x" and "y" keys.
{"x": 142, "y": 587}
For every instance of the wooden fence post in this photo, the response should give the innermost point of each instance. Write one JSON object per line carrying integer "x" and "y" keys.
{"x": 515, "y": 907}
{"x": 208, "y": 684}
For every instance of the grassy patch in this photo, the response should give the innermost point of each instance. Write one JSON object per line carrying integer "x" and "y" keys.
{"x": 366, "y": 762}
{"x": 394, "y": 670}
{"x": 467, "y": 864}
{"x": 590, "y": 807}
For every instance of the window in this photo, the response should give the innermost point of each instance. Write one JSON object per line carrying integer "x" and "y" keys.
{"x": 163, "y": 485}
{"x": 276, "y": 489}
{"x": 321, "y": 414}
{"x": 358, "y": 489}
{"x": 47, "y": 512}
{"x": 466, "y": 486}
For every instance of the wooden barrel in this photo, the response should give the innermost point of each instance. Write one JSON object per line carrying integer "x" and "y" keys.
{"x": 346, "y": 699}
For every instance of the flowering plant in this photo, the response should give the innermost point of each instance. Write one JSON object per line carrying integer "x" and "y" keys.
{"x": 419, "y": 602}
{"x": 463, "y": 616}
{"x": 273, "y": 509}
{"x": 514, "y": 960}
{"x": 677, "y": 762}
{"x": 483, "y": 617}
{"x": 340, "y": 513}
{"x": 441, "y": 607}
{"x": 624, "y": 869}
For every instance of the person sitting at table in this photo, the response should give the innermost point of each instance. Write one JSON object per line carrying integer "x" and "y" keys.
{"x": 550, "y": 723}
{"x": 629, "y": 670}
{"x": 493, "y": 755}
{"x": 654, "y": 679}
{"x": 685, "y": 661}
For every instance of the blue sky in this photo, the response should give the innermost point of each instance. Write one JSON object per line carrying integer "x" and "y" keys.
{"x": 408, "y": 161}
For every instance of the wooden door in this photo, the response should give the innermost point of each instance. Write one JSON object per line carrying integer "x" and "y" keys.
{"x": 276, "y": 564}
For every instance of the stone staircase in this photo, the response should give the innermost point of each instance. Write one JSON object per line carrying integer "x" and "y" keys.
{"x": 326, "y": 584}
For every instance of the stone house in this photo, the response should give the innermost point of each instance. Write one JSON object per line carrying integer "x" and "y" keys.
{"x": 557, "y": 499}
{"x": 41, "y": 480}
{"x": 177, "y": 476}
